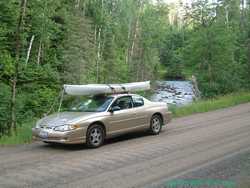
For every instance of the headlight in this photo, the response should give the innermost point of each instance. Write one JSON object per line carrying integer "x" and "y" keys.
{"x": 63, "y": 128}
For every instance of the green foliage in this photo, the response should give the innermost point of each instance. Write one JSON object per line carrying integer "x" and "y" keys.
{"x": 171, "y": 53}
{"x": 4, "y": 108}
{"x": 78, "y": 50}
{"x": 7, "y": 64}
{"x": 8, "y": 15}
{"x": 23, "y": 135}
{"x": 211, "y": 62}
{"x": 211, "y": 53}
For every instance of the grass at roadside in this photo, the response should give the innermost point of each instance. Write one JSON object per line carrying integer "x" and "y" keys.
{"x": 22, "y": 136}
{"x": 211, "y": 104}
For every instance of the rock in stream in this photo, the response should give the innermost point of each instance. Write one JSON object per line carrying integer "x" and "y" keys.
{"x": 177, "y": 93}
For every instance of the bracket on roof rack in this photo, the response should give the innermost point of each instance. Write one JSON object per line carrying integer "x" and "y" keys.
{"x": 112, "y": 89}
{"x": 124, "y": 88}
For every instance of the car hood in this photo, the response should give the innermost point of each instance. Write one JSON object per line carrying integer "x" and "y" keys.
{"x": 66, "y": 118}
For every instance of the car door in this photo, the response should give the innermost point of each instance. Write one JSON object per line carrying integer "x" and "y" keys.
{"x": 140, "y": 111}
{"x": 124, "y": 118}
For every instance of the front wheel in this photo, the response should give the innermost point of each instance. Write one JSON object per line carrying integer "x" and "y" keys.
{"x": 155, "y": 124}
{"x": 95, "y": 136}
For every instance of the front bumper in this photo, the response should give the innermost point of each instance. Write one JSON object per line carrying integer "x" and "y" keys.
{"x": 76, "y": 136}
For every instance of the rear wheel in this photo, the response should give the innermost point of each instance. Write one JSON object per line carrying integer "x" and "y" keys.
{"x": 155, "y": 124}
{"x": 95, "y": 136}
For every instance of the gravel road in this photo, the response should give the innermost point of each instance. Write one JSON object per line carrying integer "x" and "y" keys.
{"x": 135, "y": 160}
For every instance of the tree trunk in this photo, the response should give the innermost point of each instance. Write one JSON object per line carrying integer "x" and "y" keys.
{"x": 77, "y": 4}
{"x": 29, "y": 50}
{"x": 95, "y": 35}
{"x": 39, "y": 52}
{"x": 15, "y": 76}
{"x": 134, "y": 35}
{"x": 99, "y": 48}
{"x": 13, "y": 104}
{"x": 134, "y": 38}
{"x": 226, "y": 14}
{"x": 98, "y": 55}
{"x": 135, "y": 32}
{"x": 248, "y": 55}
{"x": 196, "y": 90}
{"x": 128, "y": 39}
{"x": 242, "y": 13}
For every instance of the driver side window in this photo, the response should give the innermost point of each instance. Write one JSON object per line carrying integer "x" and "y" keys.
{"x": 123, "y": 103}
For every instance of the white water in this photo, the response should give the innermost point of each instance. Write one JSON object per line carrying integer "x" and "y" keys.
{"x": 174, "y": 92}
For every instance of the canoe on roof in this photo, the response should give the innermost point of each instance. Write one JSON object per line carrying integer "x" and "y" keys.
{"x": 95, "y": 89}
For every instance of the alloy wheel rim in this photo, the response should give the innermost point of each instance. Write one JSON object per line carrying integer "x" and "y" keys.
{"x": 156, "y": 125}
{"x": 95, "y": 136}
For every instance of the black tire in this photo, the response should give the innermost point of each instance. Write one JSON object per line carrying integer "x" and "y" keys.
{"x": 95, "y": 136}
{"x": 155, "y": 124}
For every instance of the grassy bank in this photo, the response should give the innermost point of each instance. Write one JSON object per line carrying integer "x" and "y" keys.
{"x": 22, "y": 136}
{"x": 24, "y": 132}
{"x": 211, "y": 104}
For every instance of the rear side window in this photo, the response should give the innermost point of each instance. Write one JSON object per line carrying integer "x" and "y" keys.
{"x": 138, "y": 101}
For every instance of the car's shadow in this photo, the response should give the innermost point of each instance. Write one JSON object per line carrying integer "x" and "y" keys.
{"x": 75, "y": 147}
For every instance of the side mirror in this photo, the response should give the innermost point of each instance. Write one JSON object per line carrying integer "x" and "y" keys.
{"x": 114, "y": 108}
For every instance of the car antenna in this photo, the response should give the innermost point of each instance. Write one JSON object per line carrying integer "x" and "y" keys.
{"x": 61, "y": 99}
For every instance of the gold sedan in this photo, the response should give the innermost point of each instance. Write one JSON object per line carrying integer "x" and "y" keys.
{"x": 103, "y": 116}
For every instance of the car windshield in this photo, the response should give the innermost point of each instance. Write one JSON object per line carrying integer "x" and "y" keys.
{"x": 92, "y": 104}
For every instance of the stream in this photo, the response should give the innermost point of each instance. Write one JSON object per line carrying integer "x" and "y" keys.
{"x": 177, "y": 93}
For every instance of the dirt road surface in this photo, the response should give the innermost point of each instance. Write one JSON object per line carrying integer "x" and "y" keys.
{"x": 134, "y": 160}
